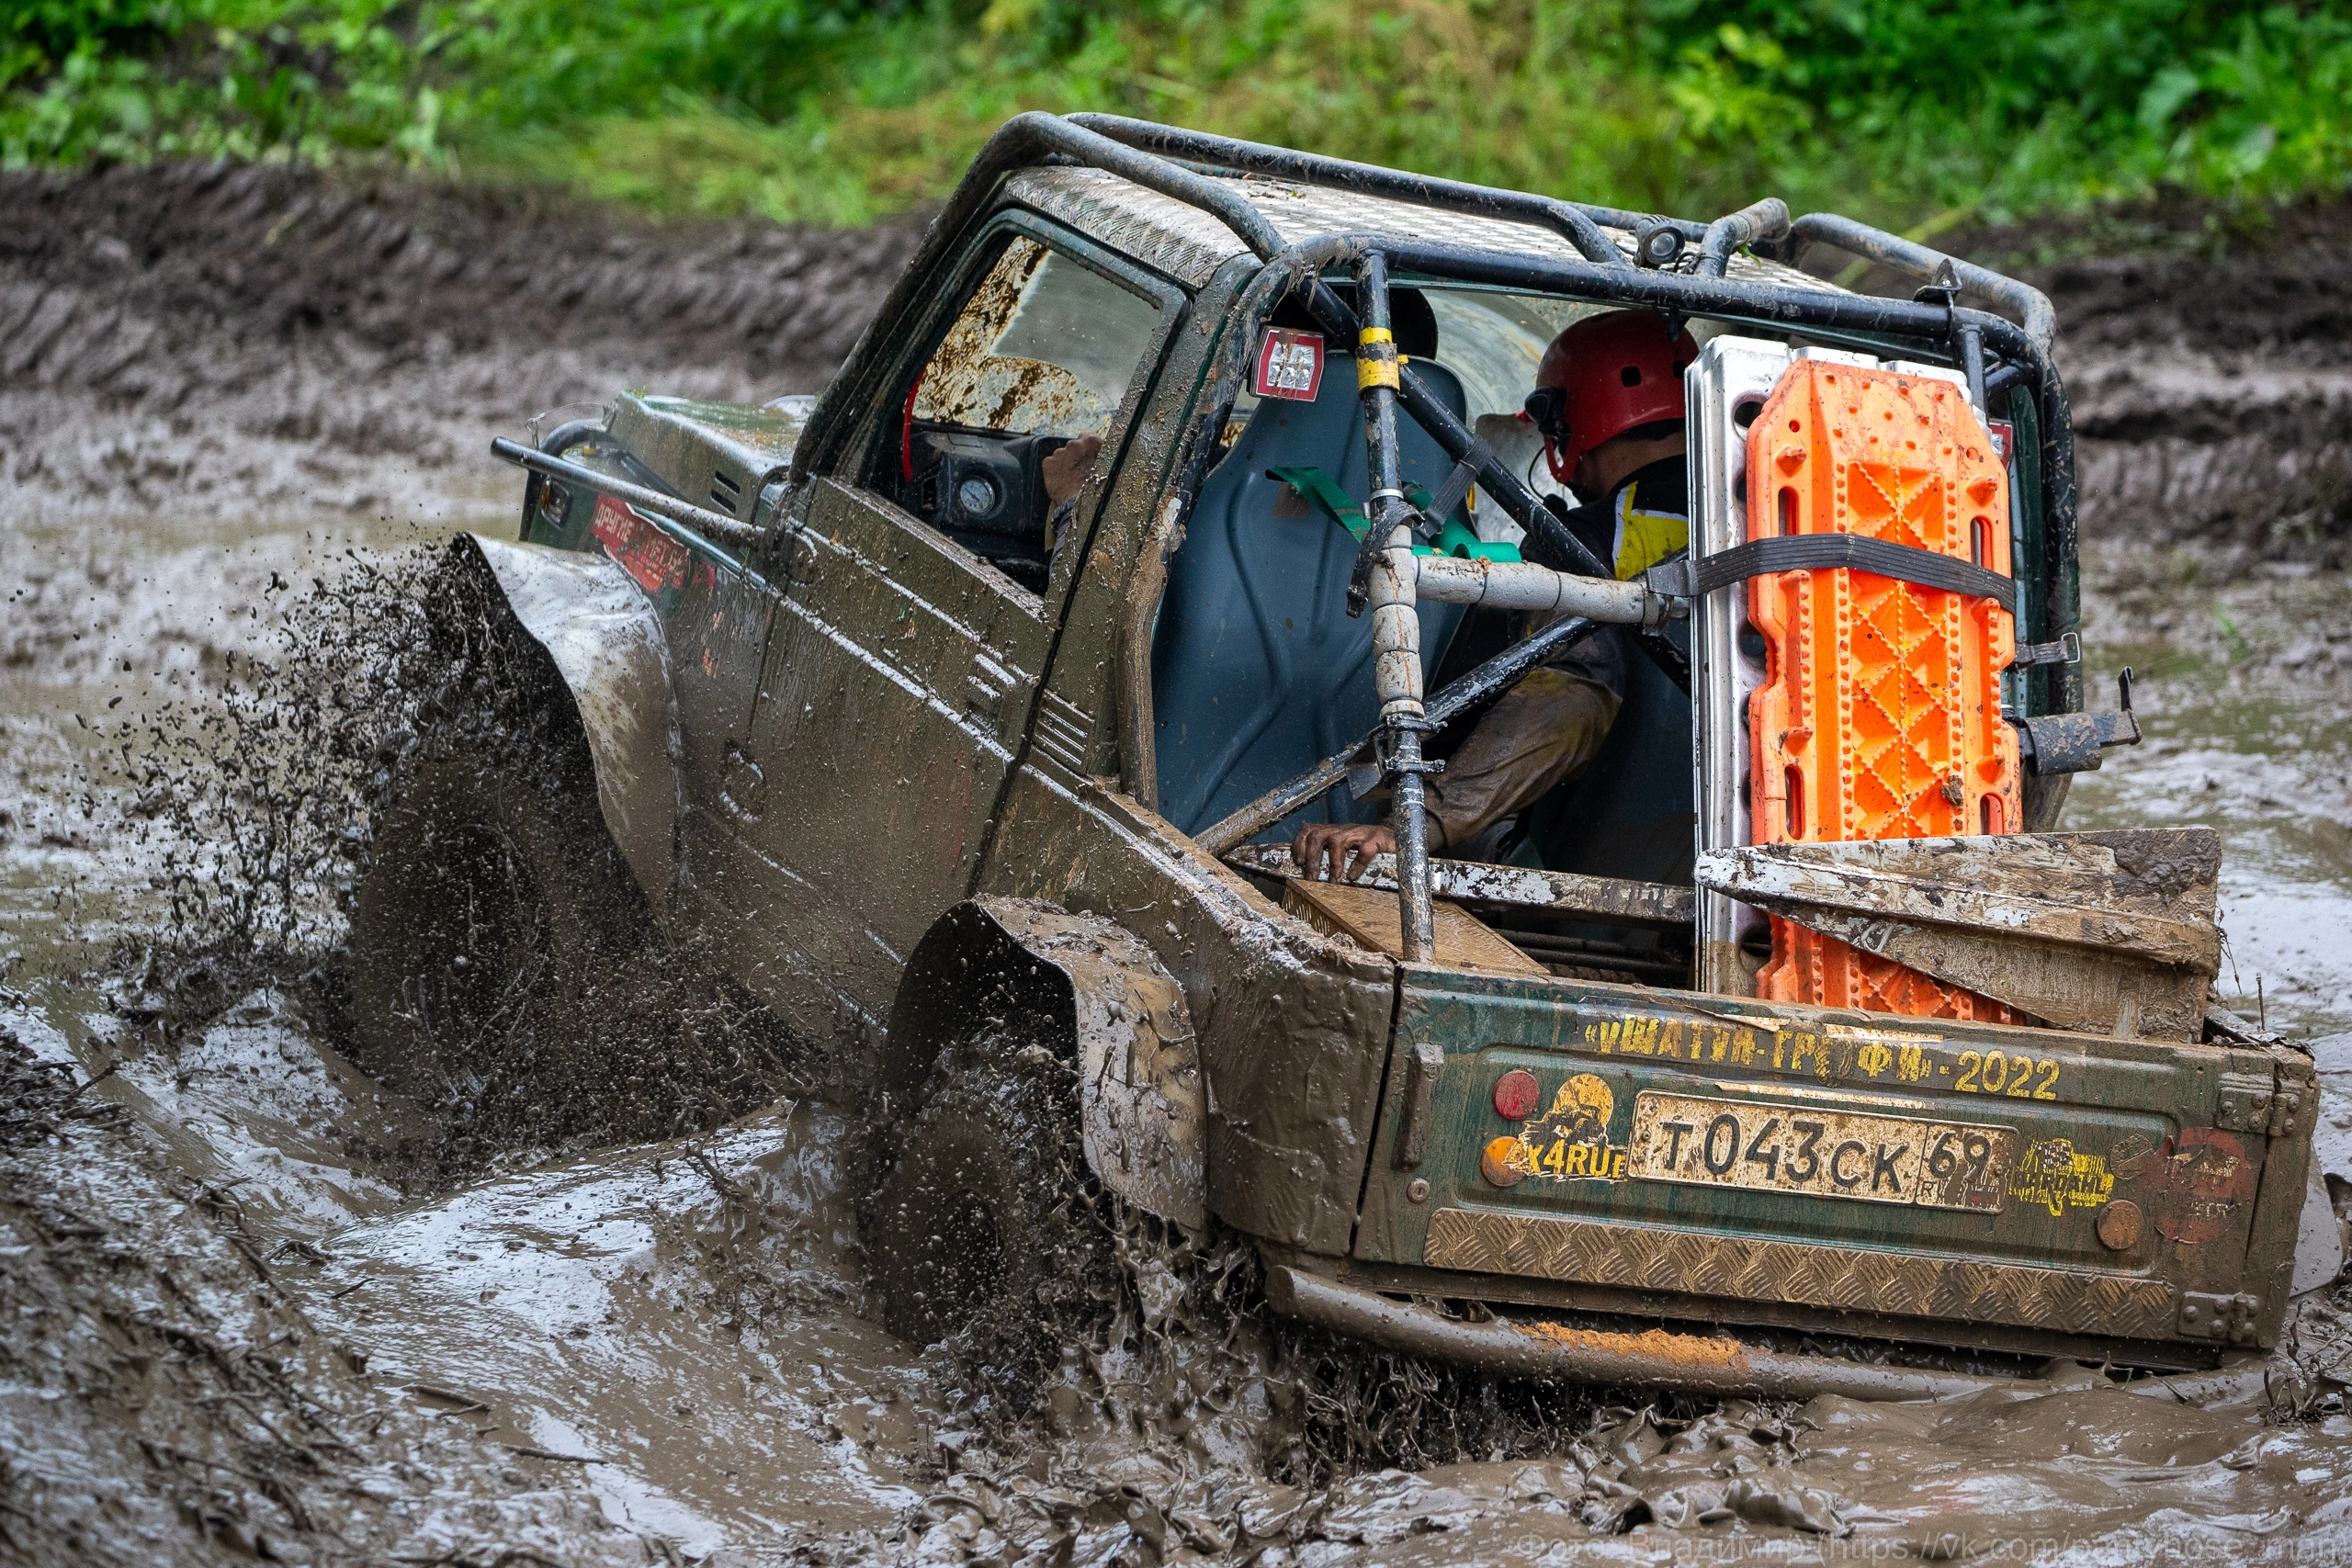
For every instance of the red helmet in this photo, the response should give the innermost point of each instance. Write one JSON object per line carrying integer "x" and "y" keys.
{"x": 1603, "y": 376}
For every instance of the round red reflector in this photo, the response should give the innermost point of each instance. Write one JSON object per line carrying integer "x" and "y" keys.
{"x": 1516, "y": 1095}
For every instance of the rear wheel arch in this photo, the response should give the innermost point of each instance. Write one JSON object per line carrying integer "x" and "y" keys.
{"x": 1092, "y": 993}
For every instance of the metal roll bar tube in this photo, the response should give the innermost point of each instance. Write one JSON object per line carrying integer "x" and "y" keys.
{"x": 1558, "y": 1354}
{"x": 1753, "y": 224}
{"x": 1444, "y": 706}
{"x": 1524, "y": 585}
{"x": 1396, "y": 624}
{"x": 1454, "y": 439}
{"x": 2032, "y": 304}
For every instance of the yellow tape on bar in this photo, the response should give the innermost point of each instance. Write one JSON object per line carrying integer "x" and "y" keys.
{"x": 1375, "y": 372}
{"x": 1375, "y": 358}
{"x": 1374, "y": 335}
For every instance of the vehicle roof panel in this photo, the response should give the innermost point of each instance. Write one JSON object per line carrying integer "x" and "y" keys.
{"x": 1190, "y": 244}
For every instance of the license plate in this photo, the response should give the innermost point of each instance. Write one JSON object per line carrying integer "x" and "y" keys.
{"x": 1826, "y": 1153}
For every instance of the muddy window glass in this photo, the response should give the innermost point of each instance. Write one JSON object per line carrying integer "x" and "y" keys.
{"x": 1045, "y": 347}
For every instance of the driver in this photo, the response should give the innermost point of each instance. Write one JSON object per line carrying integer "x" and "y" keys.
{"x": 1609, "y": 404}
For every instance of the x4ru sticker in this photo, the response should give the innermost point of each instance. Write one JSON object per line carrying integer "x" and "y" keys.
{"x": 1828, "y": 1154}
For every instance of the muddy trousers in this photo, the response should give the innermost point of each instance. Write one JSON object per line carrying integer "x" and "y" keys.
{"x": 1541, "y": 732}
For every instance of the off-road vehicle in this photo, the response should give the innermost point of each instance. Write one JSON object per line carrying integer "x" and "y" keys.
{"x": 1791, "y": 1020}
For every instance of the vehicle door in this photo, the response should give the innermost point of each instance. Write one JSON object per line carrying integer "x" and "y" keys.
{"x": 923, "y": 588}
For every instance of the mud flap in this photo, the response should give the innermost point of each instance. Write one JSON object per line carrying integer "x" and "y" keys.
{"x": 1107, "y": 1001}
{"x": 2319, "y": 1237}
{"x": 606, "y": 645}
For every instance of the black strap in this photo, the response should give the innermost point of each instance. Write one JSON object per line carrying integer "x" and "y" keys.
{"x": 1823, "y": 552}
{"x": 1457, "y": 484}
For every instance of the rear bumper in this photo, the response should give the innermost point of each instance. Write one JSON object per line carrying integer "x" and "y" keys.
{"x": 1580, "y": 1146}
{"x": 1657, "y": 1360}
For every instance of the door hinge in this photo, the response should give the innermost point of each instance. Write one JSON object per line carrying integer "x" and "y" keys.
{"x": 1422, "y": 1066}
{"x": 2227, "y": 1318}
{"x": 2245, "y": 1103}
{"x": 2289, "y": 1107}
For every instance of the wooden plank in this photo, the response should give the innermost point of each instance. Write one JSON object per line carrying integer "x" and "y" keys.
{"x": 2111, "y": 933}
{"x": 2050, "y": 888}
{"x": 1370, "y": 919}
{"x": 1605, "y": 901}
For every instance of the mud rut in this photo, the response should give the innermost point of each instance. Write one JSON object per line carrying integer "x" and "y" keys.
{"x": 262, "y": 1306}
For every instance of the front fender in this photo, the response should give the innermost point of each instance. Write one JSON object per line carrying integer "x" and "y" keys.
{"x": 1092, "y": 992}
{"x": 605, "y": 643}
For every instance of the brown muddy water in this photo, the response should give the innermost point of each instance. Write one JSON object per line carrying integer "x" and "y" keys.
{"x": 249, "y": 1316}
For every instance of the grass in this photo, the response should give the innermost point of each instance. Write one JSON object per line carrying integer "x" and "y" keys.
{"x": 1920, "y": 113}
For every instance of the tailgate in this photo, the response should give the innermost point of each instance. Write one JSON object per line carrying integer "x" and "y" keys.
{"x": 1699, "y": 1157}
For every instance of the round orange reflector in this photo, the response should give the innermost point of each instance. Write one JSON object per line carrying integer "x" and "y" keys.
{"x": 1494, "y": 1163}
{"x": 1516, "y": 1095}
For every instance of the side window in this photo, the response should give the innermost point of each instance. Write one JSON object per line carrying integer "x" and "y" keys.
{"x": 1039, "y": 359}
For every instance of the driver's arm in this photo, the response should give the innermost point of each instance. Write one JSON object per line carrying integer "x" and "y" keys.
{"x": 1065, "y": 471}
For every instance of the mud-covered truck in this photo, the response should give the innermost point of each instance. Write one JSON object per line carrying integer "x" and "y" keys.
{"x": 1789, "y": 1049}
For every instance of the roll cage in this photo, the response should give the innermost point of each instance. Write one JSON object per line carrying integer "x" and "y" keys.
{"x": 2000, "y": 356}
{"x": 1997, "y": 356}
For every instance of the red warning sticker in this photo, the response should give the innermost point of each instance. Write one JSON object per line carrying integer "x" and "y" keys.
{"x": 1290, "y": 364}
{"x": 657, "y": 561}
{"x": 2005, "y": 435}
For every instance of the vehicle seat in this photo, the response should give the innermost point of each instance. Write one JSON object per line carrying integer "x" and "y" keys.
{"x": 1258, "y": 671}
{"x": 1630, "y": 813}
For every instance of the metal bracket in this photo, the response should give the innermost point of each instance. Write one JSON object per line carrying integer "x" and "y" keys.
{"x": 2255, "y": 1103}
{"x": 2211, "y": 1316}
{"x": 1421, "y": 1068}
{"x": 2071, "y": 742}
{"x": 2244, "y": 1104}
{"x": 1384, "y": 749}
{"x": 2067, "y": 649}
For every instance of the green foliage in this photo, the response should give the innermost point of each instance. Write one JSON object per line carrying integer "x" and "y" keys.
{"x": 1911, "y": 111}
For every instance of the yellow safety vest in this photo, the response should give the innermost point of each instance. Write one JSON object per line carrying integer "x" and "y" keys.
{"x": 1645, "y": 538}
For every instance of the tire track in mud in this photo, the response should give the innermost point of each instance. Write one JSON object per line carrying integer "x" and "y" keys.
{"x": 233, "y": 339}
{"x": 2210, "y": 372}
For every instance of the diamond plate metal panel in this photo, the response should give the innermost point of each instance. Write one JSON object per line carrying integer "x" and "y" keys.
{"x": 1851, "y": 1280}
{"x": 1185, "y": 242}
{"x": 1189, "y": 245}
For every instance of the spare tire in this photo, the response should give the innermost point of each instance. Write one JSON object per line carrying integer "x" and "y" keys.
{"x": 492, "y": 926}
{"x": 989, "y": 1232}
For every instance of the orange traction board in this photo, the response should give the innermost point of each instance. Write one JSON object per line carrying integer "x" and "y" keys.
{"x": 1879, "y": 714}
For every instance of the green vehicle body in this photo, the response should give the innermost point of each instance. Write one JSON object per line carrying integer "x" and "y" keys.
{"x": 909, "y": 788}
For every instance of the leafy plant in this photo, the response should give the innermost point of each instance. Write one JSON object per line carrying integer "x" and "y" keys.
{"x": 843, "y": 111}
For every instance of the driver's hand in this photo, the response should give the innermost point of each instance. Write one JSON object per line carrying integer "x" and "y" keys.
{"x": 1064, "y": 468}
{"x": 1350, "y": 845}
